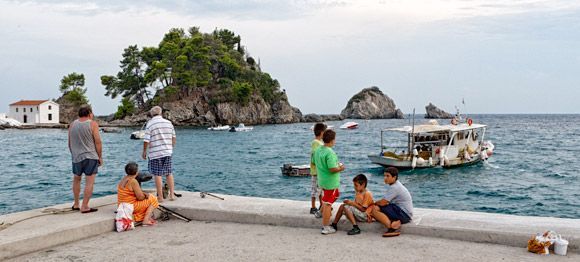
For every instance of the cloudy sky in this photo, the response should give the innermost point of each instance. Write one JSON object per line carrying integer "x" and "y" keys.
{"x": 501, "y": 56}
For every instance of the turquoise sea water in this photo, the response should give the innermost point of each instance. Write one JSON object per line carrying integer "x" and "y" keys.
{"x": 534, "y": 170}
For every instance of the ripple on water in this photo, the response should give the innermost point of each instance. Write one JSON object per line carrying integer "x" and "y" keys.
{"x": 486, "y": 194}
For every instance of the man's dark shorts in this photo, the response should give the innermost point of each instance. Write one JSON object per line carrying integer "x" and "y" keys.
{"x": 395, "y": 213}
{"x": 87, "y": 167}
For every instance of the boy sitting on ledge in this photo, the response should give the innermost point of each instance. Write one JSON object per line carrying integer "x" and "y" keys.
{"x": 396, "y": 207}
{"x": 356, "y": 210}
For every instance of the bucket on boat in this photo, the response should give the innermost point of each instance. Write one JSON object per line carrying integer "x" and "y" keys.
{"x": 560, "y": 246}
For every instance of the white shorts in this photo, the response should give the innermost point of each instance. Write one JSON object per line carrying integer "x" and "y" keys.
{"x": 314, "y": 188}
{"x": 358, "y": 215}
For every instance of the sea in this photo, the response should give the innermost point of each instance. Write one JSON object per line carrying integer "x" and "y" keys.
{"x": 533, "y": 171}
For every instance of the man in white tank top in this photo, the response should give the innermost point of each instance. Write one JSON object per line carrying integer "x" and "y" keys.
{"x": 84, "y": 143}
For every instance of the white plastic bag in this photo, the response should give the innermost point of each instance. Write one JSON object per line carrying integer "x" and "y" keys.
{"x": 124, "y": 220}
{"x": 540, "y": 243}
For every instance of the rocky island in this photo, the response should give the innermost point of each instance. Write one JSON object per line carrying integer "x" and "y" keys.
{"x": 200, "y": 79}
{"x": 371, "y": 103}
{"x": 433, "y": 112}
{"x": 205, "y": 79}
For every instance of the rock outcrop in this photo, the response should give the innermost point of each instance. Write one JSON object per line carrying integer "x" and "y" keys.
{"x": 371, "y": 103}
{"x": 68, "y": 111}
{"x": 322, "y": 118}
{"x": 196, "y": 110}
{"x": 434, "y": 112}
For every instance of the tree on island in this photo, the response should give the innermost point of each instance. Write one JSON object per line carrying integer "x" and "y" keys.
{"x": 129, "y": 82}
{"x": 184, "y": 61}
{"x": 72, "y": 87}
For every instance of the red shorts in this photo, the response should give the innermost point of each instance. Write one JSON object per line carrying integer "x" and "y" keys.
{"x": 329, "y": 196}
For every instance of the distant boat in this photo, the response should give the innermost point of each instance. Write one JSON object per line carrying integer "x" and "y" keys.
{"x": 110, "y": 130}
{"x": 349, "y": 125}
{"x": 241, "y": 128}
{"x": 327, "y": 127}
{"x": 299, "y": 170}
{"x": 219, "y": 128}
{"x": 138, "y": 134}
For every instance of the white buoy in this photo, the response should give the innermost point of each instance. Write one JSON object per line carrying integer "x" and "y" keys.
{"x": 414, "y": 162}
{"x": 430, "y": 161}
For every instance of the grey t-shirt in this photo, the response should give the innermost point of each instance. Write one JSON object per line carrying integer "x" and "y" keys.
{"x": 400, "y": 196}
{"x": 82, "y": 143}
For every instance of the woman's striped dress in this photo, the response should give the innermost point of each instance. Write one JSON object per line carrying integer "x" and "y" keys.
{"x": 126, "y": 195}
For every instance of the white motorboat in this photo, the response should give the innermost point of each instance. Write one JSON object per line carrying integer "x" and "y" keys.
{"x": 432, "y": 145}
{"x": 349, "y": 125}
{"x": 219, "y": 128}
{"x": 241, "y": 128}
{"x": 139, "y": 134}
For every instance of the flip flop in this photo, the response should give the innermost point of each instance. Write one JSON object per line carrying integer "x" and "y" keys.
{"x": 75, "y": 208}
{"x": 177, "y": 195}
{"x": 89, "y": 211}
{"x": 392, "y": 232}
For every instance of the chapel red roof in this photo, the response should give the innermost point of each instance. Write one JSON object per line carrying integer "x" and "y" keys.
{"x": 28, "y": 102}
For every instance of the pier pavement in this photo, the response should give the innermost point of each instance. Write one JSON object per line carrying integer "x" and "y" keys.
{"x": 247, "y": 228}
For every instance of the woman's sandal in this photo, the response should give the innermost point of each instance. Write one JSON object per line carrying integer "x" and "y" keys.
{"x": 91, "y": 210}
{"x": 391, "y": 232}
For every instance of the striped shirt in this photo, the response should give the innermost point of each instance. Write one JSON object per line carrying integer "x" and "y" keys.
{"x": 159, "y": 133}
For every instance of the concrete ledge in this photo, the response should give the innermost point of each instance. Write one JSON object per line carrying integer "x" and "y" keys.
{"x": 47, "y": 231}
{"x": 457, "y": 225}
{"x": 35, "y": 230}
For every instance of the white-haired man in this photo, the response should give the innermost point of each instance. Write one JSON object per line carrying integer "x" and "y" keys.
{"x": 158, "y": 145}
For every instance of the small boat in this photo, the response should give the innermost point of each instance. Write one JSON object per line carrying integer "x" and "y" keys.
{"x": 432, "y": 145}
{"x": 291, "y": 170}
{"x": 241, "y": 128}
{"x": 110, "y": 130}
{"x": 219, "y": 128}
{"x": 349, "y": 125}
{"x": 138, "y": 134}
{"x": 327, "y": 127}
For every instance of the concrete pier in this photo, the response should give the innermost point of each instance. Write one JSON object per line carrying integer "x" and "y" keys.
{"x": 33, "y": 231}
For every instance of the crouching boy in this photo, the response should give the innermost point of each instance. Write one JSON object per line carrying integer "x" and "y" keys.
{"x": 356, "y": 210}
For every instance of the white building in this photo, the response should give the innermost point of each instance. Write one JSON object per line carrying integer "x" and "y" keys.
{"x": 30, "y": 112}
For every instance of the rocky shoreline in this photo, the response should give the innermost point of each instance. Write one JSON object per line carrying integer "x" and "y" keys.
{"x": 198, "y": 110}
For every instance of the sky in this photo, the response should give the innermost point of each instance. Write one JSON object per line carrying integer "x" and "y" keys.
{"x": 499, "y": 56}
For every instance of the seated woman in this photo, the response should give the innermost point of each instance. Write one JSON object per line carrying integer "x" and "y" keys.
{"x": 129, "y": 191}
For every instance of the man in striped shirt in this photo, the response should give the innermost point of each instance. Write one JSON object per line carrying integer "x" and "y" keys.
{"x": 158, "y": 146}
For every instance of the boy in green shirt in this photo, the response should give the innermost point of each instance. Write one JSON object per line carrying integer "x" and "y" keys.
{"x": 319, "y": 129}
{"x": 328, "y": 169}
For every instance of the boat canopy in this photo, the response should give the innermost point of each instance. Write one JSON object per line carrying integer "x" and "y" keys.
{"x": 435, "y": 128}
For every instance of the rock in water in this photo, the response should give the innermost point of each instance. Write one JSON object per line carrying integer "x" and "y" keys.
{"x": 322, "y": 118}
{"x": 433, "y": 112}
{"x": 371, "y": 103}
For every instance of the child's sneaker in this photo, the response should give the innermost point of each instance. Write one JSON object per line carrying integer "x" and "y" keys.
{"x": 313, "y": 210}
{"x": 317, "y": 214}
{"x": 354, "y": 231}
{"x": 326, "y": 230}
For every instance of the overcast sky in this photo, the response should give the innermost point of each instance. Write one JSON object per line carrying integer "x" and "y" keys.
{"x": 510, "y": 56}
